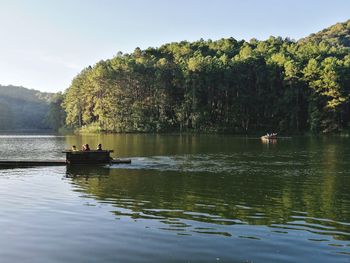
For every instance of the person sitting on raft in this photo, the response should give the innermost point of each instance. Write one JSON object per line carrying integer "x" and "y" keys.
{"x": 99, "y": 147}
{"x": 86, "y": 147}
{"x": 74, "y": 148}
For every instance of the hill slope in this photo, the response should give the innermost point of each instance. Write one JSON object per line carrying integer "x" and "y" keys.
{"x": 338, "y": 34}
{"x": 224, "y": 85}
{"x": 23, "y": 109}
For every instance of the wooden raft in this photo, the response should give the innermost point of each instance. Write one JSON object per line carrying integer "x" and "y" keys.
{"x": 72, "y": 158}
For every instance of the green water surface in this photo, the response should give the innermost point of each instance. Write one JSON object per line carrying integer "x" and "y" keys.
{"x": 184, "y": 198}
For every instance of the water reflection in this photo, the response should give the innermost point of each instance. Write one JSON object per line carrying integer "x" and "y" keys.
{"x": 87, "y": 171}
{"x": 188, "y": 197}
{"x": 269, "y": 141}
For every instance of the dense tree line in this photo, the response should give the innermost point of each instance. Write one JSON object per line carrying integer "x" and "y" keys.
{"x": 219, "y": 86}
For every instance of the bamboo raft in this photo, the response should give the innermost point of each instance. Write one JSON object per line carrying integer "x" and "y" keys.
{"x": 72, "y": 158}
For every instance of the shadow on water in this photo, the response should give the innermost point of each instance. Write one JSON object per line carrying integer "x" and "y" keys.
{"x": 87, "y": 171}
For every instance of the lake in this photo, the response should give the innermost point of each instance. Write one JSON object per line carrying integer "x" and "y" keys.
{"x": 184, "y": 198}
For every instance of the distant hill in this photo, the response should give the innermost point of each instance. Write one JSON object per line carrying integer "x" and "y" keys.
{"x": 338, "y": 34}
{"x": 23, "y": 109}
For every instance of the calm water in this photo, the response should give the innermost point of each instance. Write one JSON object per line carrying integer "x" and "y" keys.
{"x": 183, "y": 199}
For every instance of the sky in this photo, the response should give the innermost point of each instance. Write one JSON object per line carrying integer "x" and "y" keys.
{"x": 44, "y": 44}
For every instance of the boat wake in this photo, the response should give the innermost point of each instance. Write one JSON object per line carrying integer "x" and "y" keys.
{"x": 210, "y": 163}
{"x": 185, "y": 163}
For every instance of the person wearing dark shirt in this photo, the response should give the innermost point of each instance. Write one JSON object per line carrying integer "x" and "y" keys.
{"x": 86, "y": 147}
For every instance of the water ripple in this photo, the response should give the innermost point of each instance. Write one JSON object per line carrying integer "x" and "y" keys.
{"x": 213, "y": 163}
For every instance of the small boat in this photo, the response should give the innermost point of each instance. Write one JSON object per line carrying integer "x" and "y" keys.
{"x": 272, "y": 136}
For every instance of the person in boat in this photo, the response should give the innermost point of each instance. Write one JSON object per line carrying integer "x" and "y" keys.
{"x": 74, "y": 148}
{"x": 86, "y": 147}
{"x": 99, "y": 147}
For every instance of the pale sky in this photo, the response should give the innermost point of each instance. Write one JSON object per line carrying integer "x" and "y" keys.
{"x": 45, "y": 43}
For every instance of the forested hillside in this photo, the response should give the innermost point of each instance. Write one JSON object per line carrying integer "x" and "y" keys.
{"x": 23, "y": 109}
{"x": 219, "y": 86}
{"x": 338, "y": 35}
